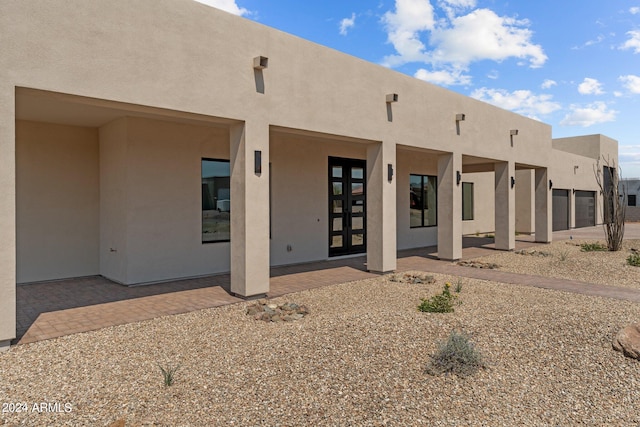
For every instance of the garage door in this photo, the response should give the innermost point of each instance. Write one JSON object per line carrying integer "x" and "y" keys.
{"x": 560, "y": 210}
{"x": 585, "y": 208}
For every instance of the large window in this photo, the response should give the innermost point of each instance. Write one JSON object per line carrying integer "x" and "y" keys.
{"x": 631, "y": 199}
{"x": 467, "y": 201}
{"x": 423, "y": 201}
{"x": 216, "y": 200}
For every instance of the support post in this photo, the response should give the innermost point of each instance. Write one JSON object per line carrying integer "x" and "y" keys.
{"x": 449, "y": 207}
{"x": 249, "y": 210}
{"x": 381, "y": 207}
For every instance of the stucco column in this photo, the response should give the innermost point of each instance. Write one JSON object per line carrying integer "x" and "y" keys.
{"x": 505, "y": 205}
{"x": 449, "y": 207}
{"x": 544, "y": 212}
{"x": 7, "y": 217}
{"x": 381, "y": 207}
{"x": 249, "y": 209}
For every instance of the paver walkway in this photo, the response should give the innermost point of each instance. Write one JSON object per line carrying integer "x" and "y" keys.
{"x": 53, "y": 309}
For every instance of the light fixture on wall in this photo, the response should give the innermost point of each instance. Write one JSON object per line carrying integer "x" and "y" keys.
{"x": 260, "y": 62}
{"x": 513, "y": 182}
{"x": 392, "y": 97}
{"x": 389, "y": 172}
{"x": 575, "y": 169}
{"x": 460, "y": 117}
{"x": 550, "y": 184}
{"x": 458, "y": 177}
{"x": 257, "y": 162}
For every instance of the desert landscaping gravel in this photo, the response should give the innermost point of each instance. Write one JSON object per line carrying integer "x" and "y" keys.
{"x": 358, "y": 358}
{"x": 566, "y": 260}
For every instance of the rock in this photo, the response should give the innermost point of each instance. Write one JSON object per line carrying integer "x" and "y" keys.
{"x": 272, "y": 306}
{"x": 628, "y": 341}
{"x": 253, "y": 310}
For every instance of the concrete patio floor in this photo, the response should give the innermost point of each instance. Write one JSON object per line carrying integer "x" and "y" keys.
{"x": 53, "y": 309}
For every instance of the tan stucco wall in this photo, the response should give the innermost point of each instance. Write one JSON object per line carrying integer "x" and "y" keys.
{"x": 57, "y": 201}
{"x": 484, "y": 203}
{"x": 525, "y": 201}
{"x": 413, "y": 162}
{"x": 299, "y": 197}
{"x": 7, "y": 212}
{"x": 152, "y": 211}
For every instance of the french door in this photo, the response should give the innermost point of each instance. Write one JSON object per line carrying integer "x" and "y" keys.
{"x": 347, "y": 206}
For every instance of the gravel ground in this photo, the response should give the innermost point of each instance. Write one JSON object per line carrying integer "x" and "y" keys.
{"x": 566, "y": 260}
{"x": 358, "y": 358}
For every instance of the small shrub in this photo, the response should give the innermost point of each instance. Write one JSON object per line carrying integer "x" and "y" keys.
{"x": 458, "y": 287}
{"x": 169, "y": 374}
{"x": 489, "y": 236}
{"x": 457, "y": 356}
{"x": 441, "y": 303}
{"x": 593, "y": 247}
{"x": 563, "y": 255}
{"x": 634, "y": 259}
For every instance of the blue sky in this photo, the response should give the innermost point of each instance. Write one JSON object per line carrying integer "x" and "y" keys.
{"x": 572, "y": 64}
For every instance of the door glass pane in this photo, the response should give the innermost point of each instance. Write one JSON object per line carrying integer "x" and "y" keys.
{"x": 336, "y": 171}
{"x": 337, "y": 206}
{"x": 337, "y": 188}
{"x": 357, "y": 206}
{"x": 336, "y": 242}
{"x": 357, "y": 189}
{"x": 357, "y": 223}
{"x": 357, "y": 173}
{"x": 357, "y": 239}
{"x": 416, "y": 200}
{"x": 337, "y": 224}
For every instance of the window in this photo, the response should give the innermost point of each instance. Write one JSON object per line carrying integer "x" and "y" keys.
{"x": 467, "y": 201}
{"x": 631, "y": 200}
{"x": 423, "y": 206}
{"x": 216, "y": 200}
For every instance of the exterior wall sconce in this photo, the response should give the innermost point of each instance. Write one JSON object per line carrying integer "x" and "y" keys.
{"x": 458, "y": 177}
{"x": 513, "y": 132}
{"x": 460, "y": 117}
{"x": 392, "y": 97}
{"x": 257, "y": 162}
{"x": 575, "y": 169}
{"x": 260, "y": 62}
{"x": 513, "y": 182}
{"x": 550, "y": 184}
{"x": 389, "y": 172}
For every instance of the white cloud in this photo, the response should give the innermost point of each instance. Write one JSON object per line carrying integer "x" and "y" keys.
{"x": 590, "y": 87}
{"x": 589, "y": 115}
{"x": 633, "y": 42}
{"x": 631, "y": 83}
{"x": 443, "y": 77}
{"x": 484, "y": 35}
{"x": 634, "y": 10}
{"x": 347, "y": 23}
{"x": 403, "y": 30}
{"x": 456, "y": 41}
{"x": 226, "y": 5}
{"x": 522, "y": 102}
{"x": 548, "y": 83}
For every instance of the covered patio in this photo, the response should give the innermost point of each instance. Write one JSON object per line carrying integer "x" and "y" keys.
{"x": 53, "y": 309}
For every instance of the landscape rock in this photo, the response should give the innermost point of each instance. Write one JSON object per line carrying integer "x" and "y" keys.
{"x": 627, "y": 341}
{"x": 478, "y": 264}
{"x": 270, "y": 312}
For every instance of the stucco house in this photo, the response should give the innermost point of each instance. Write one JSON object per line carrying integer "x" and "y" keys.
{"x": 161, "y": 139}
